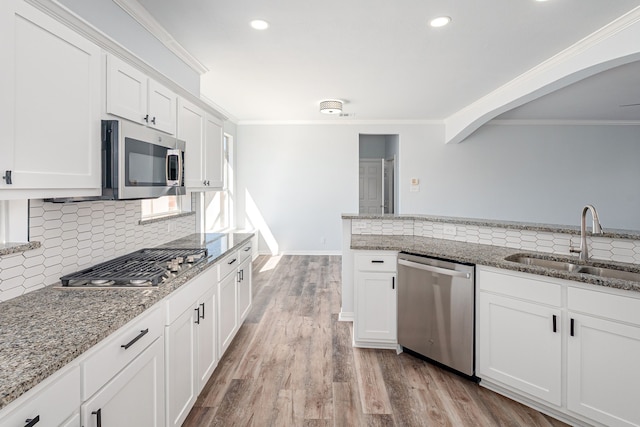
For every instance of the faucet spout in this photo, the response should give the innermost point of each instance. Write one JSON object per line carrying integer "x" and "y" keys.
{"x": 596, "y": 228}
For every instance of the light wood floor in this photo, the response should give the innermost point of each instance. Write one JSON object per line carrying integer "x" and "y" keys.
{"x": 292, "y": 364}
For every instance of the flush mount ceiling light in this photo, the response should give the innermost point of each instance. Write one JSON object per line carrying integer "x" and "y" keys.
{"x": 259, "y": 24}
{"x": 440, "y": 21}
{"x": 331, "y": 106}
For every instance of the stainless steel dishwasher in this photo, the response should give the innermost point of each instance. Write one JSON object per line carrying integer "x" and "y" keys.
{"x": 436, "y": 310}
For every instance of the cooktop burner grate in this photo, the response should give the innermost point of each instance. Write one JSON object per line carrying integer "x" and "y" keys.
{"x": 145, "y": 265}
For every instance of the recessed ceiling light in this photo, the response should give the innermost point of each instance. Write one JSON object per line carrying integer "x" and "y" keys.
{"x": 440, "y": 21}
{"x": 259, "y": 24}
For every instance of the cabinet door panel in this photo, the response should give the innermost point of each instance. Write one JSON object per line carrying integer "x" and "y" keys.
{"x": 227, "y": 312}
{"x": 180, "y": 368}
{"x": 162, "y": 108}
{"x": 191, "y": 121}
{"x": 517, "y": 346}
{"x": 376, "y": 307}
{"x": 207, "y": 333}
{"x": 56, "y": 105}
{"x": 134, "y": 397}
{"x": 214, "y": 153}
{"x": 126, "y": 90}
{"x": 603, "y": 379}
{"x": 244, "y": 289}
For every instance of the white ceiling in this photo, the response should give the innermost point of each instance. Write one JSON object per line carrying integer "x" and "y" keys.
{"x": 381, "y": 57}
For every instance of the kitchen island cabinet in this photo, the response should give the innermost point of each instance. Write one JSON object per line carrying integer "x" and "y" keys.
{"x": 524, "y": 323}
{"x": 50, "y": 119}
{"x": 375, "y": 322}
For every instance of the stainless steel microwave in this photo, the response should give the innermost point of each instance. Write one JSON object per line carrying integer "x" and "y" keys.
{"x": 139, "y": 162}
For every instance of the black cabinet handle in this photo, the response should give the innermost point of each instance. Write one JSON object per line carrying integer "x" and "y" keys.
{"x": 197, "y": 322}
{"x": 572, "y": 328}
{"x": 202, "y": 305}
{"x": 98, "y": 415}
{"x": 30, "y": 422}
{"x": 555, "y": 323}
{"x": 393, "y": 282}
{"x": 7, "y": 177}
{"x": 247, "y": 249}
{"x": 153, "y": 120}
{"x": 133, "y": 341}
{"x": 146, "y": 118}
{"x": 232, "y": 261}
{"x": 242, "y": 275}
{"x": 377, "y": 261}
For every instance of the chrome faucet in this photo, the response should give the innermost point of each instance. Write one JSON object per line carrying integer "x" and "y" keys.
{"x": 596, "y": 228}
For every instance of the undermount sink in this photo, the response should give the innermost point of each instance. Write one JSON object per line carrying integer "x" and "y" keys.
{"x": 610, "y": 273}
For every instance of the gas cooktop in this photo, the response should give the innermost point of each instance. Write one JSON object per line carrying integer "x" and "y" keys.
{"x": 143, "y": 268}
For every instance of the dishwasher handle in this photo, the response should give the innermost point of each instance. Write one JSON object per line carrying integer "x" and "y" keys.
{"x": 439, "y": 270}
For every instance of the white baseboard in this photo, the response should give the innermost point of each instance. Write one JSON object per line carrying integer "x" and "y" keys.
{"x": 346, "y": 316}
{"x": 309, "y": 253}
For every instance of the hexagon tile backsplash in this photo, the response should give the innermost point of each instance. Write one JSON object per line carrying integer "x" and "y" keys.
{"x": 77, "y": 235}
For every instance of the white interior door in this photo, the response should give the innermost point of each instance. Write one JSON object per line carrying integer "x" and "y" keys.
{"x": 371, "y": 186}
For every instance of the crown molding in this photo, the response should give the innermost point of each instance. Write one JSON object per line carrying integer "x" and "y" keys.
{"x": 144, "y": 18}
{"x": 560, "y": 122}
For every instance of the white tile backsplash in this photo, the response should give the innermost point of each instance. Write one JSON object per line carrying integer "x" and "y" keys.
{"x": 623, "y": 250}
{"x": 77, "y": 235}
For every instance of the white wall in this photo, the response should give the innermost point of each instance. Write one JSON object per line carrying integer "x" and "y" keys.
{"x": 109, "y": 18}
{"x": 522, "y": 173}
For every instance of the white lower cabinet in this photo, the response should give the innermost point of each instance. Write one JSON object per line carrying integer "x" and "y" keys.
{"x": 55, "y": 401}
{"x": 227, "y": 312}
{"x": 603, "y": 379}
{"x": 190, "y": 344}
{"x": 531, "y": 340}
{"x": 244, "y": 288}
{"x": 518, "y": 346}
{"x": 134, "y": 397}
{"x": 375, "y": 321}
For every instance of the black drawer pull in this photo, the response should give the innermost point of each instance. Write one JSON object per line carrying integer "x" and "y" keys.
{"x": 133, "y": 341}
{"x": 247, "y": 249}
{"x": 377, "y": 261}
{"x": 197, "y": 321}
{"x": 232, "y": 261}
{"x": 30, "y": 422}
{"x": 555, "y": 323}
{"x": 572, "y": 330}
{"x": 98, "y": 415}
{"x": 202, "y": 305}
{"x": 393, "y": 282}
{"x": 7, "y": 178}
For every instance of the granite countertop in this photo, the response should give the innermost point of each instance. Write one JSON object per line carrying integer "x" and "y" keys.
{"x": 513, "y": 225}
{"x": 494, "y": 256}
{"x": 44, "y": 330}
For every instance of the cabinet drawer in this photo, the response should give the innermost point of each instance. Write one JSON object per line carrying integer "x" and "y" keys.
{"x": 245, "y": 252}
{"x": 53, "y": 401}
{"x": 376, "y": 262}
{"x": 603, "y": 304}
{"x": 228, "y": 265}
{"x": 519, "y": 285}
{"x": 110, "y": 357}
{"x": 185, "y": 297}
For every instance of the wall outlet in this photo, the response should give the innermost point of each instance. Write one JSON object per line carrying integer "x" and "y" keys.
{"x": 359, "y": 224}
{"x": 414, "y": 188}
{"x": 449, "y": 230}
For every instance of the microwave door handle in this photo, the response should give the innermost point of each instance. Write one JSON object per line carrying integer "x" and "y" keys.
{"x": 179, "y": 154}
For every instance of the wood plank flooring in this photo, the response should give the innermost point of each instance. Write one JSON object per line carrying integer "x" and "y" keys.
{"x": 292, "y": 364}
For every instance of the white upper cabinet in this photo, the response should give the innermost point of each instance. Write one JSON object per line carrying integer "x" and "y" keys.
{"x": 204, "y": 155}
{"x": 49, "y": 108}
{"x": 134, "y": 96}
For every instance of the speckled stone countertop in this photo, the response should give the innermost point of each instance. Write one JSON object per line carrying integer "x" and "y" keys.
{"x": 550, "y": 228}
{"x": 494, "y": 256}
{"x": 42, "y": 331}
{"x": 14, "y": 248}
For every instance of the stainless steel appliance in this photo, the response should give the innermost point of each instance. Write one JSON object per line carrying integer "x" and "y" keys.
{"x": 139, "y": 162}
{"x": 143, "y": 268}
{"x": 436, "y": 310}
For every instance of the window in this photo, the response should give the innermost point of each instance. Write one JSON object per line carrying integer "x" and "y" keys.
{"x": 162, "y": 206}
